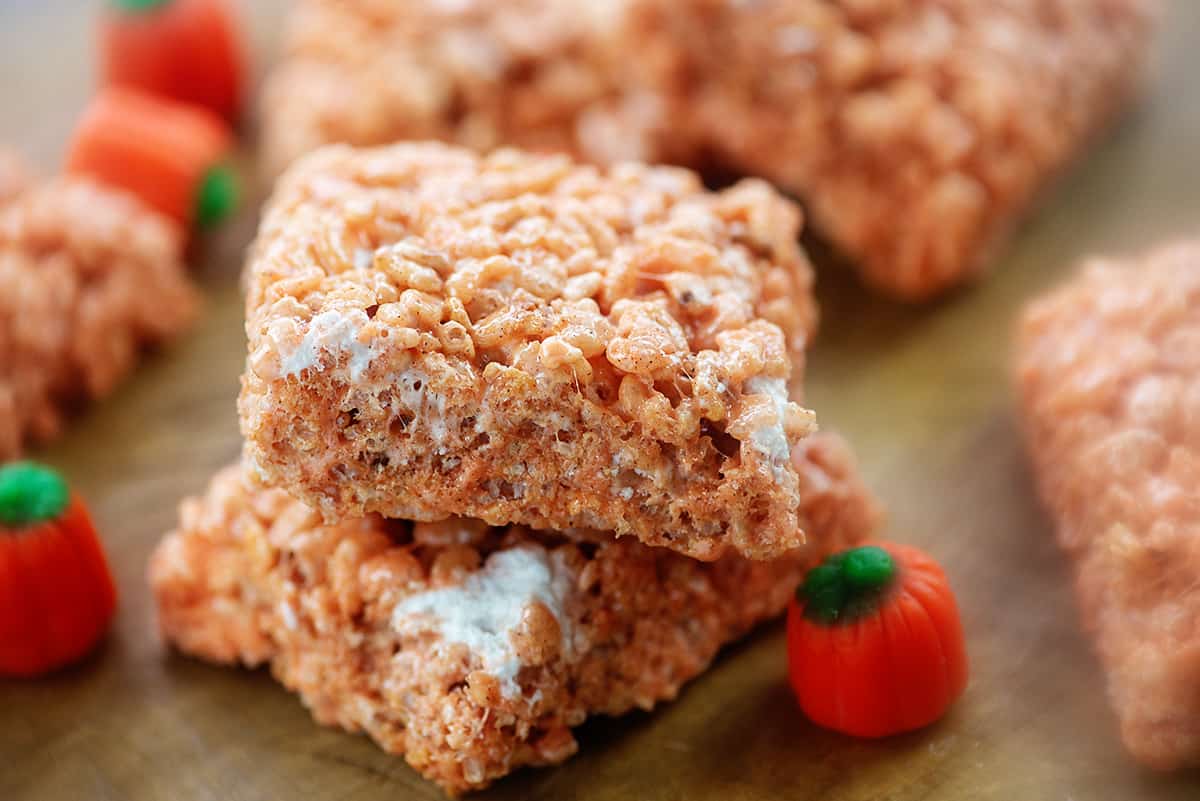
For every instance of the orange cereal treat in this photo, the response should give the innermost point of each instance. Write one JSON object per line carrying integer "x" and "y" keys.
{"x": 482, "y": 74}
{"x": 1108, "y": 369}
{"x": 522, "y": 340}
{"x": 470, "y": 650}
{"x": 88, "y": 278}
{"x": 15, "y": 175}
{"x": 917, "y": 132}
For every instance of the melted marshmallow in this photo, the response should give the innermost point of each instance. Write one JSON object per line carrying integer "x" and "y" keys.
{"x": 771, "y": 440}
{"x": 428, "y": 407}
{"x": 483, "y": 611}
{"x": 331, "y": 334}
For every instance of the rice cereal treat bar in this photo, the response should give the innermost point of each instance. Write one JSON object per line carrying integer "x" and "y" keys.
{"x": 470, "y": 651}
{"x": 15, "y": 175}
{"x": 522, "y": 340}
{"x": 88, "y": 278}
{"x": 1109, "y": 378}
{"x": 537, "y": 74}
{"x": 917, "y": 132}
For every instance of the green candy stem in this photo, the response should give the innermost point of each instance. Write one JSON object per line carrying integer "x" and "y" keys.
{"x": 138, "y": 5}
{"x": 847, "y": 585}
{"x": 217, "y": 196}
{"x": 29, "y": 494}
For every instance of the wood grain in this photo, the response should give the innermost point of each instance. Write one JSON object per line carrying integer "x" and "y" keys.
{"x": 923, "y": 393}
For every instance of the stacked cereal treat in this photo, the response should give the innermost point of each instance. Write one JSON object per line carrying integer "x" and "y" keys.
{"x": 1108, "y": 369}
{"x": 580, "y": 383}
{"x": 88, "y": 278}
{"x": 948, "y": 116}
{"x": 522, "y": 340}
{"x": 470, "y": 650}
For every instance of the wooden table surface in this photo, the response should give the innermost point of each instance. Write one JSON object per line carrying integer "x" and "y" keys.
{"x": 922, "y": 392}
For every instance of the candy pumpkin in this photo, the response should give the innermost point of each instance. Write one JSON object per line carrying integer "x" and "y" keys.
{"x": 56, "y": 592}
{"x": 875, "y": 644}
{"x": 172, "y": 156}
{"x": 184, "y": 50}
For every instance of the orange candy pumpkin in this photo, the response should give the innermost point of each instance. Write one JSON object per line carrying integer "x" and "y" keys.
{"x": 172, "y": 156}
{"x": 185, "y": 50}
{"x": 875, "y": 644}
{"x": 57, "y": 597}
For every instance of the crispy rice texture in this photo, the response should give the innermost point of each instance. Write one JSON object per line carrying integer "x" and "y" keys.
{"x": 521, "y": 340}
{"x": 15, "y": 175}
{"x": 88, "y": 279}
{"x": 1108, "y": 369}
{"x": 524, "y": 73}
{"x": 470, "y": 651}
{"x": 917, "y": 132}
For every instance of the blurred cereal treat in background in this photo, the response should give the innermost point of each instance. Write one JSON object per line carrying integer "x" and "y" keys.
{"x": 917, "y": 133}
{"x": 88, "y": 279}
{"x": 1108, "y": 371}
{"x": 15, "y": 175}
{"x": 529, "y": 73}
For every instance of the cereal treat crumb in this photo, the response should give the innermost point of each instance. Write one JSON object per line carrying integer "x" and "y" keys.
{"x": 88, "y": 278}
{"x": 470, "y": 650}
{"x": 917, "y": 132}
{"x": 522, "y": 340}
{"x": 1109, "y": 377}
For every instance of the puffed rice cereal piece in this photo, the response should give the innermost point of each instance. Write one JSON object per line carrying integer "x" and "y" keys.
{"x": 468, "y": 650}
{"x": 1108, "y": 369}
{"x": 917, "y": 132}
{"x": 88, "y": 279}
{"x": 522, "y": 340}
